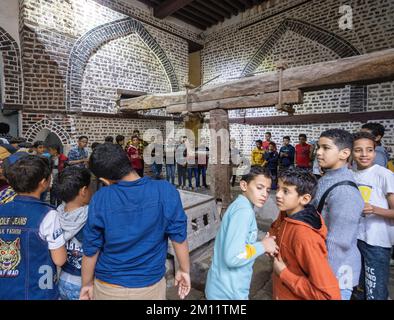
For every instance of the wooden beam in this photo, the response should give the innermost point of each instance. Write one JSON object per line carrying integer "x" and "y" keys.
{"x": 225, "y": 6}
{"x": 261, "y": 100}
{"x": 236, "y": 4}
{"x": 374, "y": 67}
{"x": 316, "y": 118}
{"x": 197, "y": 16}
{"x": 193, "y": 22}
{"x": 169, "y": 7}
{"x": 248, "y": 3}
{"x": 214, "y": 8}
{"x": 204, "y": 10}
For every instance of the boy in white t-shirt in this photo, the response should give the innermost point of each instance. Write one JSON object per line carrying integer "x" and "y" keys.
{"x": 376, "y": 228}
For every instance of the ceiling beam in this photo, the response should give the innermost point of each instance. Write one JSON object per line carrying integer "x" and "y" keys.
{"x": 231, "y": 4}
{"x": 204, "y": 10}
{"x": 225, "y": 6}
{"x": 214, "y": 8}
{"x": 236, "y": 4}
{"x": 197, "y": 24}
{"x": 169, "y": 7}
{"x": 198, "y": 15}
{"x": 248, "y": 3}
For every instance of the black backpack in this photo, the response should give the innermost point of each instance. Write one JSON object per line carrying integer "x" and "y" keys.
{"x": 341, "y": 183}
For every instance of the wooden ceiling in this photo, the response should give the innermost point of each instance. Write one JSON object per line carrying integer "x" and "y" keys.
{"x": 200, "y": 13}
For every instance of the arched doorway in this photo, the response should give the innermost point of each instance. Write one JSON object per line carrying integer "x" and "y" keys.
{"x": 49, "y": 138}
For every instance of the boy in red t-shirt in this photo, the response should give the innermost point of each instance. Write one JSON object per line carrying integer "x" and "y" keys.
{"x": 303, "y": 156}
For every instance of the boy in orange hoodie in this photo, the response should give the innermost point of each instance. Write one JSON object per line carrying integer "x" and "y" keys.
{"x": 301, "y": 269}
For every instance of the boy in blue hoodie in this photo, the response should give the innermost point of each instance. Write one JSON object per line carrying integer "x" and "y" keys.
{"x": 236, "y": 245}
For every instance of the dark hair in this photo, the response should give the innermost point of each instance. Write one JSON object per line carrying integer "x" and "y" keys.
{"x": 272, "y": 144}
{"x": 134, "y": 137}
{"x": 54, "y": 146}
{"x": 376, "y": 128}
{"x": 259, "y": 141}
{"x": 109, "y": 161}
{"x": 256, "y": 171}
{"x": 119, "y": 138}
{"x": 341, "y": 138}
{"x": 364, "y": 135}
{"x": 109, "y": 139}
{"x": 25, "y": 145}
{"x": 69, "y": 181}
{"x": 286, "y": 137}
{"x": 268, "y": 133}
{"x": 83, "y": 137}
{"x": 38, "y": 143}
{"x": 4, "y": 128}
{"x": 26, "y": 173}
{"x": 94, "y": 145}
{"x": 302, "y": 135}
{"x": 17, "y": 140}
{"x": 304, "y": 181}
{"x": 136, "y": 130}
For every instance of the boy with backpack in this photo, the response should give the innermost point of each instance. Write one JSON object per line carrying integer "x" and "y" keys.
{"x": 340, "y": 203}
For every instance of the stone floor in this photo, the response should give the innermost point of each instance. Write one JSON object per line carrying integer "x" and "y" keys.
{"x": 261, "y": 286}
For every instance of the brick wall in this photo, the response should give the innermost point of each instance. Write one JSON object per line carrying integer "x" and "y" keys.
{"x": 10, "y": 52}
{"x": 76, "y": 54}
{"x": 306, "y": 34}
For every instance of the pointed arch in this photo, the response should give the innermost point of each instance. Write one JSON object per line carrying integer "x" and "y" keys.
{"x": 327, "y": 39}
{"x": 88, "y": 44}
{"x": 50, "y": 125}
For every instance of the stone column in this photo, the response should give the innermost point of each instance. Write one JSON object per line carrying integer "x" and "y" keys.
{"x": 219, "y": 156}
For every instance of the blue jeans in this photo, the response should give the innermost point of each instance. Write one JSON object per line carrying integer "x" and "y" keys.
{"x": 68, "y": 290}
{"x": 203, "y": 171}
{"x": 346, "y": 294}
{"x": 170, "y": 173}
{"x": 181, "y": 175}
{"x": 190, "y": 172}
{"x": 375, "y": 272}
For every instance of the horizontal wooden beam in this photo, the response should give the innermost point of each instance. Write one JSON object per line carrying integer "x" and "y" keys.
{"x": 169, "y": 7}
{"x": 315, "y": 118}
{"x": 122, "y": 115}
{"x": 12, "y": 106}
{"x": 261, "y": 100}
{"x": 373, "y": 67}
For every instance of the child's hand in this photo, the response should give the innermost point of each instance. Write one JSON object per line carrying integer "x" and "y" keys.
{"x": 182, "y": 279}
{"x": 368, "y": 209}
{"x": 86, "y": 293}
{"x": 279, "y": 265}
{"x": 270, "y": 245}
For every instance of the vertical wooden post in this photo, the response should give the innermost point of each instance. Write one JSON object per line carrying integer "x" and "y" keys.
{"x": 219, "y": 168}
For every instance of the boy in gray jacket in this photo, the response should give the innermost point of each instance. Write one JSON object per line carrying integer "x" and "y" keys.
{"x": 339, "y": 201}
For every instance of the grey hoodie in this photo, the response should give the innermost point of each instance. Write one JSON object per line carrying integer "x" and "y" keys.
{"x": 72, "y": 222}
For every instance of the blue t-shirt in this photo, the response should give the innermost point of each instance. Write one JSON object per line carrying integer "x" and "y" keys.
{"x": 130, "y": 223}
{"x": 289, "y": 160}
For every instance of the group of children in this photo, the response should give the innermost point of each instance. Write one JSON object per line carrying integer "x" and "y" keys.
{"x": 331, "y": 235}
